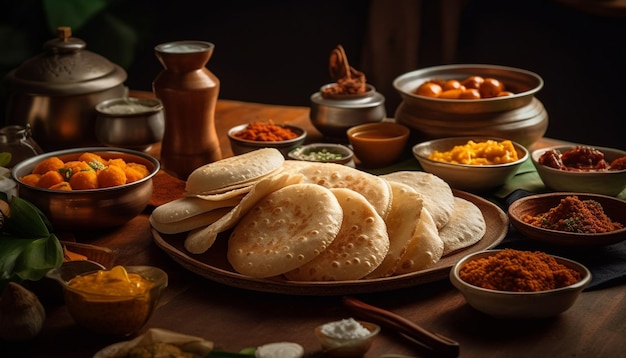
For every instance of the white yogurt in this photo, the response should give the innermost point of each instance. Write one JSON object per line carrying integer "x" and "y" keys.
{"x": 345, "y": 329}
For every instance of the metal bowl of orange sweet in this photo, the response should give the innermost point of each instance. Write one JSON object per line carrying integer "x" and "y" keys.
{"x": 88, "y": 206}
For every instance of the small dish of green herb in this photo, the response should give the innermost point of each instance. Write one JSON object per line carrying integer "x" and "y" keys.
{"x": 323, "y": 153}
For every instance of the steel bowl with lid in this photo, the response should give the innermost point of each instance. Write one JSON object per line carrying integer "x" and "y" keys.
{"x": 56, "y": 92}
{"x": 334, "y": 115}
{"x": 520, "y": 117}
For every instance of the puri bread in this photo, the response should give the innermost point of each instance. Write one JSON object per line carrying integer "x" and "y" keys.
{"x": 359, "y": 247}
{"x": 201, "y": 239}
{"x": 437, "y": 194}
{"x": 234, "y": 170}
{"x": 190, "y": 223}
{"x": 286, "y": 229}
{"x": 184, "y": 208}
{"x": 401, "y": 223}
{"x": 425, "y": 248}
{"x": 330, "y": 175}
{"x": 466, "y": 226}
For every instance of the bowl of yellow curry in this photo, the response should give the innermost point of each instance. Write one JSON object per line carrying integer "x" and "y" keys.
{"x": 475, "y": 164}
{"x": 116, "y": 302}
{"x": 85, "y": 189}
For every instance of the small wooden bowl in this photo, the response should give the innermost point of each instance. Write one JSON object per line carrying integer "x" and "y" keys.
{"x": 533, "y": 205}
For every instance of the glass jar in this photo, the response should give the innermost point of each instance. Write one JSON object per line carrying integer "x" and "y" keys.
{"x": 17, "y": 144}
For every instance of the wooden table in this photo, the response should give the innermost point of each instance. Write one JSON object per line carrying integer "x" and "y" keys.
{"x": 236, "y": 318}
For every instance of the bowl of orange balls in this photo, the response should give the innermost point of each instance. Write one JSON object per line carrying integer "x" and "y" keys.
{"x": 472, "y": 99}
{"x": 87, "y": 189}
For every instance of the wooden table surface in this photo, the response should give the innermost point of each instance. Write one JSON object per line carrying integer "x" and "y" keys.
{"x": 236, "y": 318}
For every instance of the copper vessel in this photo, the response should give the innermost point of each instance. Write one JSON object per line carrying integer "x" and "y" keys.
{"x": 189, "y": 93}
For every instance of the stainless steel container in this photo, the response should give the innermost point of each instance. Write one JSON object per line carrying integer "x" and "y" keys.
{"x": 333, "y": 116}
{"x": 56, "y": 92}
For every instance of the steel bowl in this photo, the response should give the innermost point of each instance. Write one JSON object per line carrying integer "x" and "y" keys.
{"x": 334, "y": 115}
{"x": 133, "y": 123}
{"x": 89, "y": 210}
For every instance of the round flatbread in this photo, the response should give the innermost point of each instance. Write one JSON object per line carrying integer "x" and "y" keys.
{"x": 184, "y": 208}
{"x": 437, "y": 194}
{"x": 360, "y": 246}
{"x": 330, "y": 175}
{"x": 234, "y": 170}
{"x": 425, "y": 248}
{"x": 190, "y": 223}
{"x": 401, "y": 223}
{"x": 466, "y": 226}
{"x": 286, "y": 229}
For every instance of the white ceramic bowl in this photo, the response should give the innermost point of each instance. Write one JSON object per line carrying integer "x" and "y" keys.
{"x": 505, "y": 304}
{"x": 475, "y": 178}
{"x": 598, "y": 182}
{"x": 241, "y": 146}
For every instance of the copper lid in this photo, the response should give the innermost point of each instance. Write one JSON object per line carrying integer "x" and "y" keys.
{"x": 65, "y": 68}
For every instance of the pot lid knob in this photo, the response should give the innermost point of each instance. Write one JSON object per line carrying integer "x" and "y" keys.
{"x": 65, "y": 43}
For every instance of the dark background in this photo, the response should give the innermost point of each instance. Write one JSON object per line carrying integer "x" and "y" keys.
{"x": 277, "y": 51}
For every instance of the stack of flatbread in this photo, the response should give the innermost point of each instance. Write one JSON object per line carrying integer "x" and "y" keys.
{"x": 307, "y": 221}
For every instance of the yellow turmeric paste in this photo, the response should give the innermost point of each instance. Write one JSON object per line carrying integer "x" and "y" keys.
{"x": 518, "y": 271}
{"x": 115, "y": 282}
{"x": 489, "y": 152}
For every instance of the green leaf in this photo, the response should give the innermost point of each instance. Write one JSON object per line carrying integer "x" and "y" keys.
{"x": 26, "y": 220}
{"x": 10, "y": 249}
{"x": 38, "y": 257}
{"x": 72, "y": 13}
{"x": 5, "y": 159}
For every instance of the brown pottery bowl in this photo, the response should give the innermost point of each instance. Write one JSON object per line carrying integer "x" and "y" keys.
{"x": 241, "y": 146}
{"x": 378, "y": 144}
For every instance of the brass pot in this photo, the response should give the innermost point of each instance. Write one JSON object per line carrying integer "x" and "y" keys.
{"x": 56, "y": 92}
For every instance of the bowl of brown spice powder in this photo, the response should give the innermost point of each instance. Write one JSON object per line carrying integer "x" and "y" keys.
{"x": 570, "y": 219}
{"x": 519, "y": 284}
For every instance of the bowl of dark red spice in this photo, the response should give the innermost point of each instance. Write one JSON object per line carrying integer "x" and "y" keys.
{"x": 582, "y": 168}
{"x": 570, "y": 219}
{"x": 519, "y": 284}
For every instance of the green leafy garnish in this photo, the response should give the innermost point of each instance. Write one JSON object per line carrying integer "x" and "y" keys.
{"x": 5, "y": 159}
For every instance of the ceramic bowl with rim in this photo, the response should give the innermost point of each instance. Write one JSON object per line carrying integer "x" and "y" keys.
{"x": 533, "y": 205}
{"x": 474, "y": 178}
{"x": 133, "y": 123}
{"x": 323, "y": 153}
{"x": 380, "y": 144}
{"x": 606, "y": 182}
{"x": 337, "y": 346}
{"x": 520, "y": 305}
{"x": 241, "y": 146}
{"x": 93, "y": 209}
{"x": 107, "y": 313}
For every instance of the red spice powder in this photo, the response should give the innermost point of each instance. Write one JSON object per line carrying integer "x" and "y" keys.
{"x": 518, "y": 271}
{"x": 575, "y": 215}
{"x": 266, "y": 132}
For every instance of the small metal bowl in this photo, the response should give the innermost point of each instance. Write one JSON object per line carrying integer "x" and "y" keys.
{"x": 241, "y": 146}
{"x": 524, "y": 305}
{"x": 598, "y": 182}
{"x": 334, "y": 115}
{"x": 474, "y": 178}
{"x": 89, "y": 210}
{"x": 133, "y": 123}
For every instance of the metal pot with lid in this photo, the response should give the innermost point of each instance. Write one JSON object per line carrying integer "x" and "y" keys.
{"x": 56, "y": 92}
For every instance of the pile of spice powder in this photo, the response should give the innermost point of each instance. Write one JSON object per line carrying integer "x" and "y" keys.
{"x": 518, "y": 271}
{"x": 575, "y": 215}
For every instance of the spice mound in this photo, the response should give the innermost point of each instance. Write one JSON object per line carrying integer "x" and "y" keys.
{"x": 581, "y": 159}
{"x": 575, "y": 215}
{"x": 489, "y": 152}
{"x": 345, "y": 329}
{"x": 266, "y": 132}
{"x": 518, "y": 271}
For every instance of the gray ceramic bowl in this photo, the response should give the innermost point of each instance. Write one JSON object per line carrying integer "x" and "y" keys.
{"x": 340, "y": 153}
{"x": 475, "y": 178}
{"x": 89, "y": 210}
{"x": 598, "y": 182}
{"x": 524, "y": 84}
{"x": 504, "y": 304}
{"x": 335, "y": 115}
{"x": 241, "y": 146}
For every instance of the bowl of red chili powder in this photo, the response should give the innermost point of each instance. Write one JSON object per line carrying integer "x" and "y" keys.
{"x": 245, "y": 138}
{"x": 570, "y": 219}
{"x": 519, "y": 284}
